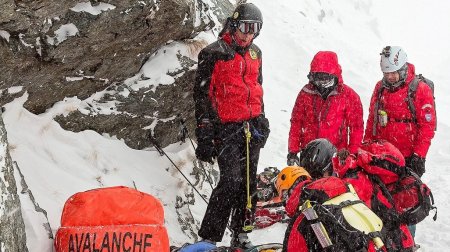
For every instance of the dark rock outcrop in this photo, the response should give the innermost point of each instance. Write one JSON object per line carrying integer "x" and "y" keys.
{"x": 52, "y": 52}
{"x": 12, "y": 228}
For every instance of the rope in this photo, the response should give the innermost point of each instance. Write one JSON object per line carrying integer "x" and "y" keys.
{"x": 248, "y": 136}
{"x": 248, "y": 225}
{"x": 184, "y": 131}
{"x": 163, "y": 153}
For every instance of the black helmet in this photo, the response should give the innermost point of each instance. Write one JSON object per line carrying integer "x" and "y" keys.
{"x": 244, "y": 13}
{"x": 247, "y": 12}
{"x": 316, "y": 157}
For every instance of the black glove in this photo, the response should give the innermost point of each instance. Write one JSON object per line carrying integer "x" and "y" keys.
{"x": 416, "y": 163}
{"x": 206, "y": 150}
{"x": 293, "y": 159}
{"x": 261, "y": 131}
{"x": 343, "y": 154}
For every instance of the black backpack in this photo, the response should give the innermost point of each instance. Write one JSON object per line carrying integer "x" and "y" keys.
{"x": 340, "y": 234}
{"x": 412, "y": 94}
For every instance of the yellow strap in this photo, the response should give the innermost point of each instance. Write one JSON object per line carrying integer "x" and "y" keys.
{"x": 248, "y": 136}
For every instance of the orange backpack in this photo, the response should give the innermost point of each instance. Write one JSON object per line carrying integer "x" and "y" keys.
{"x": 112, "y": 219}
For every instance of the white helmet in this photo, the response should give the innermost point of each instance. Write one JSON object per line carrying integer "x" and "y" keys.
{"x": 392, "y": 59}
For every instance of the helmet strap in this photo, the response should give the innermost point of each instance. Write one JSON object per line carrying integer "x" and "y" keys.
{"x": 228, "y": 26}
{"x": 296, "y": 182}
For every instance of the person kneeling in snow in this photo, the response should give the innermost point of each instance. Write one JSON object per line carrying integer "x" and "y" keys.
{"x": 326, "y": 214}
{"x": 376, "y": 166}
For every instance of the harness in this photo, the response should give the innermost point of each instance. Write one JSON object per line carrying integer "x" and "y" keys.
{"x": 412, "y": 89}
{"x": 377, "y": 113}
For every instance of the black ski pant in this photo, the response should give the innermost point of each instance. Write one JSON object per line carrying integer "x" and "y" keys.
{"x": 230, "y": 195}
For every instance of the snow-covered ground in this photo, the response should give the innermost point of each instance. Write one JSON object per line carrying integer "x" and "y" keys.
{"x": 57, "y": 163}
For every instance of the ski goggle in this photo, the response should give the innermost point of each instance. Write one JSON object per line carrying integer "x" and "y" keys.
{"x": 324, "y": 80}
{"x": 324, "y": 83}
{"x": 249, "y": 27}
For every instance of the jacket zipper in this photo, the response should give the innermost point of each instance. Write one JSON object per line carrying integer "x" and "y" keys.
{"x": 248, "y": 88}
{"x": 317, "y": 115}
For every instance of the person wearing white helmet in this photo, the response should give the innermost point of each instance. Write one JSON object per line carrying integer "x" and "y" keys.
{"x": 394, "y": 67}
{"x": 390, "y": 115}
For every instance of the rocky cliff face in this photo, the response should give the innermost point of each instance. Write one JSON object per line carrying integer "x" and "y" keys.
{"x": 121, "y": 68}
{"x": 100, "y": 55}
{"x": 12, "y": 228}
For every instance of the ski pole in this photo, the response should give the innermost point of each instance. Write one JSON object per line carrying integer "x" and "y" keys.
{"x": 163, "y": 153}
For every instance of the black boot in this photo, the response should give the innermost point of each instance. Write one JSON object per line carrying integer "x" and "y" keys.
{"x": 241, "y": 241}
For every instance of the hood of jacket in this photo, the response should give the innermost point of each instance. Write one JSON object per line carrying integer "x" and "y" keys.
{"x": 327, "y": 62}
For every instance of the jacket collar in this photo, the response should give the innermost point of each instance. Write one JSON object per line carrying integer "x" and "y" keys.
{"x": 228, "y": 38}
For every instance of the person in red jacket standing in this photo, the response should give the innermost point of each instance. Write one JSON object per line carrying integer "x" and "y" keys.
{"x": 231, "y": 125}
{"x": 390, "y": 117}
{"x": 325, "y": 108}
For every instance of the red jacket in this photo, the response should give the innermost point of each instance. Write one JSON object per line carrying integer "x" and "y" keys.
{"x": 228, "y": 82}
{"x": 339, "y": 118}
{"x": 409, "y": 137}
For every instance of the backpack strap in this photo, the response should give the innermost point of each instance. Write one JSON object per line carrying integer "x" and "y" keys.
{"x": 347, "y": 203}
{"x": 433, "y": 207}
{"x": 376, "y": 107}
{"x": 375, "y": 234}
{"x": 412, "y": 89}
{"x": 419, "y": 182}
{"x": 376, "y": 180}
{"x": 412, "y": 94}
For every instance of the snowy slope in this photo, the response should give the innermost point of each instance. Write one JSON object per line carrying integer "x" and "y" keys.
{"x": 57, "y": 163}
{"x": 357, "y": 31}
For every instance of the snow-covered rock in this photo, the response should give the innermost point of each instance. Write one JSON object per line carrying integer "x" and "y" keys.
{"x": 12, "y": 228}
